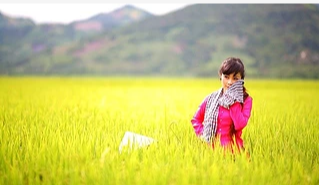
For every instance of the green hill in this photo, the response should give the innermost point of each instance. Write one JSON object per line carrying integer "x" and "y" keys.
{"x": 276, "y": 41}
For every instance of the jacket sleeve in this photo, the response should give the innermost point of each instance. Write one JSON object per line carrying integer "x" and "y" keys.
{"x": 238, "y": 139}
{"x": 198, "y": 118}
{"x": 241, "y": 114}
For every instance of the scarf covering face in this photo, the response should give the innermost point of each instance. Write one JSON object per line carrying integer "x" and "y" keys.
{"x": 233, "y": 94}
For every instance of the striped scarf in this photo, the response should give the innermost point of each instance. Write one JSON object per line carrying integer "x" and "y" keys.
{"x": 234, "y": 93}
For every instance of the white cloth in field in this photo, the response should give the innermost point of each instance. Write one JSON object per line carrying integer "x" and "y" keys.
{"x": 133, "y": 140}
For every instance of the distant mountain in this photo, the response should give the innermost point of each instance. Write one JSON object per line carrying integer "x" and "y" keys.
{"x": 21, "y": 39}
{"x": 106, "y": 21}
{"x": 13, "y": 29}
{"x": 274, "y": 40}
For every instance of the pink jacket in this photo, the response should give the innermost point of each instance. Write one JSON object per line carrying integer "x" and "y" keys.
{"x": 229, "y": 122}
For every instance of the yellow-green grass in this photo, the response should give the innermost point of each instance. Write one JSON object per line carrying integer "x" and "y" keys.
{"x": 67, "y": 131}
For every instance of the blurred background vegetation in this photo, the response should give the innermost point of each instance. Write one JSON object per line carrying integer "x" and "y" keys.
{"x": 273, "y": 40}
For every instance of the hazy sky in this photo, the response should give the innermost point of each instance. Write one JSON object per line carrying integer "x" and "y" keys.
{"x": 68, "y": 12}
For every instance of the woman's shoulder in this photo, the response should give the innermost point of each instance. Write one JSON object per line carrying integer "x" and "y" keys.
{"x": 213, "y": 94}
{"x": 248, "y": 99}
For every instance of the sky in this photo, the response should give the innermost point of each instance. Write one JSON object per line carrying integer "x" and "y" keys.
{"x": 68, "y": 12}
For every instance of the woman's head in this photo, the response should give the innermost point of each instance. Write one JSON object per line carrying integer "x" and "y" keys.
{"x": 231, "y": 70}
{"x": 232, "y": 65}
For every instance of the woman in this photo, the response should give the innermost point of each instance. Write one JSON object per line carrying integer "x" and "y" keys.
{"x": 225, "y": 113}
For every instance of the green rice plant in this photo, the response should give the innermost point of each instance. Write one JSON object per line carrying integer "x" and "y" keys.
{"x": 67, "y": 130}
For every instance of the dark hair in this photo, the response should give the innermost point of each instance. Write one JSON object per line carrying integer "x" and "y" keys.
{"x": 233, "y": 65}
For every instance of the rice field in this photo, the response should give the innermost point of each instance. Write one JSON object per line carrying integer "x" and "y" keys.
{"x": 67, "y": 130}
